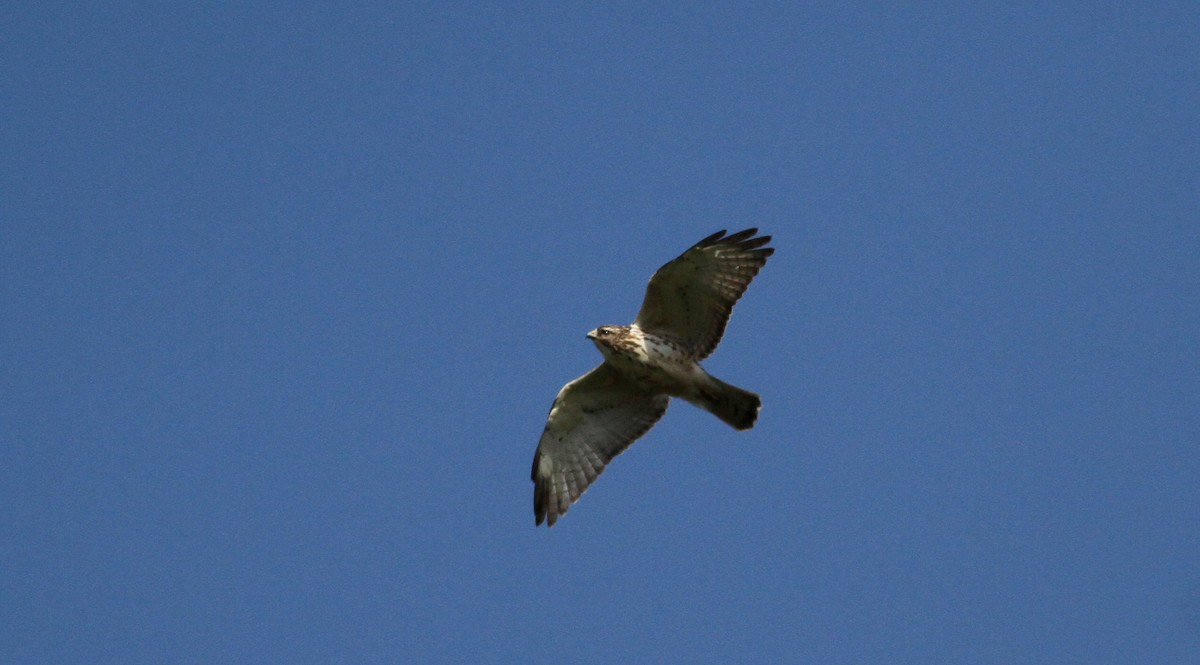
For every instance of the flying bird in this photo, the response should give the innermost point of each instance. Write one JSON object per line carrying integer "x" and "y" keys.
{"x": 597, "y": 416}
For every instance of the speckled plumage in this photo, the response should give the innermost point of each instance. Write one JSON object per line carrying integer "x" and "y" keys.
{"x": 597, "y": 416}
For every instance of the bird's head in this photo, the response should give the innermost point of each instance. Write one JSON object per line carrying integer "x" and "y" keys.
{"x": 603, "y": 337}
{"x": 603, "y": 332}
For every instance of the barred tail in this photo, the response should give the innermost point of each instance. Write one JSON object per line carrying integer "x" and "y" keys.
{"x": 737, "y": 407}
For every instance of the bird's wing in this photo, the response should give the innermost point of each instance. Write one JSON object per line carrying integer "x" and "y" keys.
{"x": 593, "y": 419}
{"x": 690, "y": 298}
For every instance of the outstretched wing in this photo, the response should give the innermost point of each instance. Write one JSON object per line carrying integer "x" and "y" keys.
{"x": 593, "y": 419}
{"x": 690, "y": 298}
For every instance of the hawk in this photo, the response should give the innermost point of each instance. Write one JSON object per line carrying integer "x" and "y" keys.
{"x": 597, "y": 416}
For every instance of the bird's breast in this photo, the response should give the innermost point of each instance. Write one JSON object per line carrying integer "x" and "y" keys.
{"x": 655, "y": 363}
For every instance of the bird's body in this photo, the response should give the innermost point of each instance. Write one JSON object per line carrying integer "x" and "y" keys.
{"x": 659, "y": 364}
{"x": 655, "y": 362}
{"x": 597, "y": 416}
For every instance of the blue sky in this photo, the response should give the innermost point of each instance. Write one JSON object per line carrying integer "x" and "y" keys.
{"x": 287, "y": 291}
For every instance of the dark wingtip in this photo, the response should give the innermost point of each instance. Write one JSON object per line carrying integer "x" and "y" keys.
{"x": 541, "y": 503}
{"x": 740, "y": 235}
{"x": 543, "y": 516}
{"x": 743, "y": 240}
{"x": 711, "y": 239}
{"x": 540, "y": 514}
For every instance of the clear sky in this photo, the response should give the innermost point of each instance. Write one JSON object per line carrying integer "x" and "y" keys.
{"x": 286, "y": 292}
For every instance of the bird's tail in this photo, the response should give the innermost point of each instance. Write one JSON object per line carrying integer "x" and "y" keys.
{"x": 737, "y": 407}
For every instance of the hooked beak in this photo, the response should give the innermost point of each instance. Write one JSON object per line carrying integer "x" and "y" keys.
{"x": 591, "y": 335}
